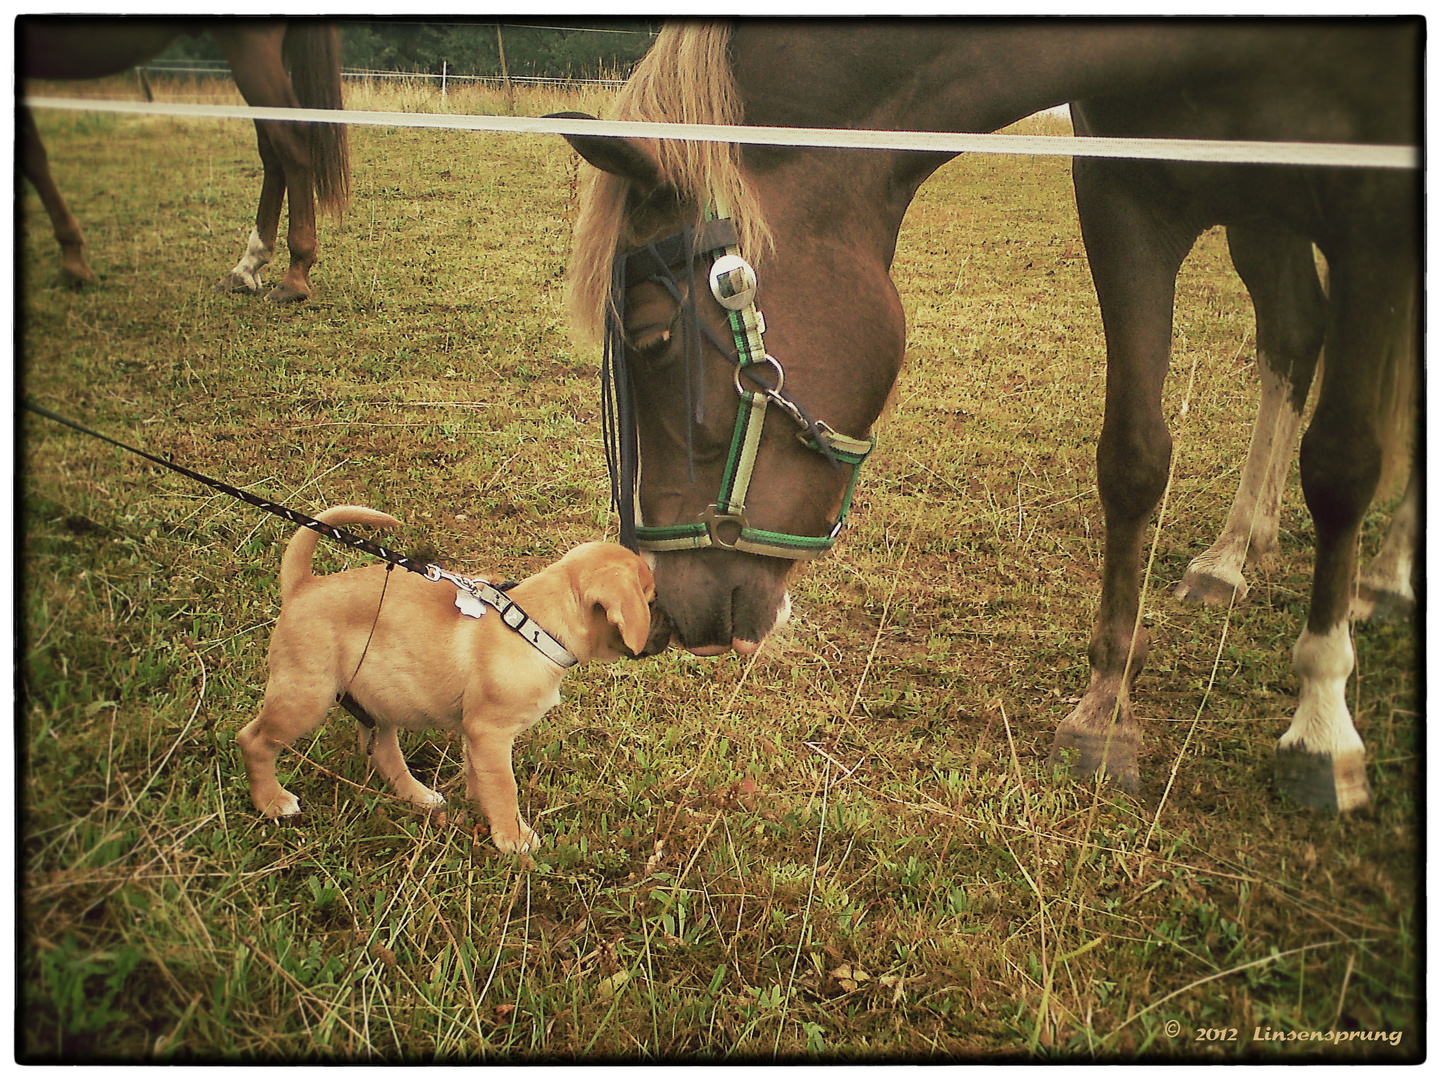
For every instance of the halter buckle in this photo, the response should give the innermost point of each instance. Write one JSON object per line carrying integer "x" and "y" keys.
{"x": 712, "y": 518}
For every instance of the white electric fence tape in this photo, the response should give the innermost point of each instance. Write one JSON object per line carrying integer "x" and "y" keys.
{"x": 1238, "y": 153}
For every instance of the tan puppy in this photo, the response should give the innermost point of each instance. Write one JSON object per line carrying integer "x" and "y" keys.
{"x": 397, "y": 644}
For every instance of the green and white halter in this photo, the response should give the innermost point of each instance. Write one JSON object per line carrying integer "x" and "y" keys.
{"x": 723, "y": 524}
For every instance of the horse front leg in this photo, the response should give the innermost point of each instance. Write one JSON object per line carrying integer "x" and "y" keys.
{"x": 1386, "y": 591}
{"x": 260, "y": 249}
{"x": 74, "y": 270}
{"x": 1321, "y": 760}
{"x": 1132, "y": 463}
{"x": 257, "y": 63}
{"x": 1134, "y": 257}
{"x": 300, "y": 237}
{"x": 286, "y": 157}
{"x": 1279, "y": 270}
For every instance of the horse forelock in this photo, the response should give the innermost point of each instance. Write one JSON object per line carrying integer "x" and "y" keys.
{"x": 685, "y": 78}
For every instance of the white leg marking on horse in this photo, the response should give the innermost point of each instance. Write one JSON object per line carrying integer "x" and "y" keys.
{"x": 1255, "y": 514}
{"x": 256, "y": 256}
{"x": 1322, "y": 724}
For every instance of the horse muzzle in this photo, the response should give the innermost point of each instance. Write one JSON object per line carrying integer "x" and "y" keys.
{"x": 712, "y": 601}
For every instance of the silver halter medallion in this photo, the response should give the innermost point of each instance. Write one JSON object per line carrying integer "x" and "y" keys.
{"x": 732, "y": 282}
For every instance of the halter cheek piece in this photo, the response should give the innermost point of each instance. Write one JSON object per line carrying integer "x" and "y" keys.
{"x": 723, "y": 524}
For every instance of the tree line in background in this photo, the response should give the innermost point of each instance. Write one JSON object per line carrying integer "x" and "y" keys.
{"x": 560, "y": 49}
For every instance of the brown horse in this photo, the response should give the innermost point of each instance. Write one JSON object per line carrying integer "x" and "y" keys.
{"x": 275, "y": 63}
{"x": 820, "y": 228}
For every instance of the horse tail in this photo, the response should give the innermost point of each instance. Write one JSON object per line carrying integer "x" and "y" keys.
{"x": 312, "y": 56}
{"x": 295, "y": 563}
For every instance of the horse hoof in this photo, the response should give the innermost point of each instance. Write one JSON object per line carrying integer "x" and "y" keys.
{"x": 284, "y": 294}
{"x": 1199, "y": 587}
{"x": 234, "y": 283}
{"x": 1085, "y": 753}
{"x": 73, "y": 278}
{"x": 1321, "y": 781}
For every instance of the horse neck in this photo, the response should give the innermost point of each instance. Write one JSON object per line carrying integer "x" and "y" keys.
{"x": 965, "y": 75}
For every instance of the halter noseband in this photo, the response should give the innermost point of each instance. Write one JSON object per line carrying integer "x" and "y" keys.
{"x": 723, "y": 524}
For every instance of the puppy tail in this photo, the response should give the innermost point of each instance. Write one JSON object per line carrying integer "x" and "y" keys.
{"x": 295, "y": 565}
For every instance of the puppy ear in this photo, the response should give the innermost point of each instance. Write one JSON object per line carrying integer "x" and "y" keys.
{"x": 621, "y": 593}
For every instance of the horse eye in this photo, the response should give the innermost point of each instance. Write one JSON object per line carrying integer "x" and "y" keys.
{"x": 649, "y": 343}
{"x": 651, "y": 319}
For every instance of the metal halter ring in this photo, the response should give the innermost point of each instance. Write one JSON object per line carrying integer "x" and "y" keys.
{"x": 712, "y": 518}
{"x": 768, "y": 391}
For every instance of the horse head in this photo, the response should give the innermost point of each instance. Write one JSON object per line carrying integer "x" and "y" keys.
{"x": 725, "y": 279}
{"x": 727, "y": 509}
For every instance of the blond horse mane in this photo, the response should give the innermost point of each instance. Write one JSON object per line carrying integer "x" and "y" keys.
{"x": 685, "y": 79}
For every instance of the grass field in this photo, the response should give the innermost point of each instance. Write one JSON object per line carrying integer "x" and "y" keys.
{"x": 849, "y": 848}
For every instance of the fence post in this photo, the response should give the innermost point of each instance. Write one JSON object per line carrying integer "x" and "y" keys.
{"x": 504, "y": 72}
{"x": 443, "y": 69}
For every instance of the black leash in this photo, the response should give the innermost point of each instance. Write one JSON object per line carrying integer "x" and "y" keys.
{"x": 493, "y": 596}
{"x": 293, "y": 516}
{"x": 344, "y": 699}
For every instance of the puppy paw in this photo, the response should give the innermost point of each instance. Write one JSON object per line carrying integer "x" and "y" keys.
{"x": 518, "y": 842}
{"x": 427, "y": 799}
{"x": 283, "y": 805}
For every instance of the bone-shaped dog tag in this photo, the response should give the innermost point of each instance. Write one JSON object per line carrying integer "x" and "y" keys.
{"x": 468, "y": 604}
